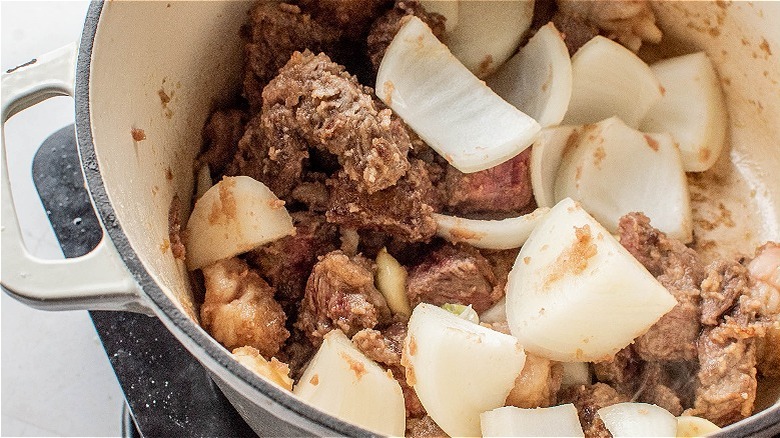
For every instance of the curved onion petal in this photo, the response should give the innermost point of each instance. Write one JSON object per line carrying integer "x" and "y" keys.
{"x": 234, "y": 216}
{"x": 391, "y": 282}
{"x": 343, "y": 382}
{"x": 511, "y": 421}
{"x": 546, "y": 156}
{"x": 692, "y": 109}
{"x": 497, "y": 313}
{"x": 488, "y": 32}
{"x": 488, "y": 234}
{"x": 459, "y": 116}
{"x": 575, "y": 294}
{"x": 638, "y": 419}
{"x": 689, "y": 426}
{"x": 610, "y": 80}
{"x": 538, "y": 79}
{"x": 614, "y": 169}
{"x": 457, "y": 368}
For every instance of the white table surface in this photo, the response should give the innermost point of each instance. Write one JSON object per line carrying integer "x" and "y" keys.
{"x": 56, "y": 378}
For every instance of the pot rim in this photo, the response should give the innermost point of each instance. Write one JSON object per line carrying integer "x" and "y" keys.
{"x": 766, "y": 422}
{"x": 164, "y": 307}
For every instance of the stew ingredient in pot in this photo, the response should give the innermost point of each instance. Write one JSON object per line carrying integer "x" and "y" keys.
{"x": 393, "y": 233}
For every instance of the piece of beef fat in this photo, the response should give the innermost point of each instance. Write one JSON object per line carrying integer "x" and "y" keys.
{"x": 330, "y": 110}
{"x": 454, "y": 274}
{"x": 340, "y": 294}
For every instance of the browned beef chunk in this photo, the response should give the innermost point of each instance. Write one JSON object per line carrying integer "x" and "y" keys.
{"x": 287, "y": 262}
{"x": 340, "y": 294}
{"x": 328, "y": 108}
{"x": 622, "y": 372}
{"x": 353, "y": 17}
{"x": 424, "y": 428}
{"x": 271, "y": 152}
{"x": 239, "y": 308}
{"x": 221, "y": 134}
{"x": 385, "y": 347}
{"x": 654, "y": 386}
{"x": 677, "y": 267}
{"x": 588, "y": 399}
{"x": 404, "y": 210}
{"x": 296, "y": 353}
{"x": 576, "y": 31}
{"x": 385, "y": 27}
{"x": 503, "y": 188}
{"x": 276, "y": 30}
{"x": 456, "y": 274}
{"x": 502, "y": 262}
{"x": 727, "y": 351}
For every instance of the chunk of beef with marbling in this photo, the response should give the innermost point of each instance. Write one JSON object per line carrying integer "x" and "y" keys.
{"x": 404, "y": 210}
{"x": 385, "y": 27}
{"x": 727, "y": 349}
{"x": 221, "y": 135}
{"x": 277, "y": 30}
{"x": 340, "y": 294}
{"x": 239, "y": 308}
{"x": 505, "y": 188}
{"x": 588, "y": 399}
{"x": 271, "y": 152}
{"x": 385, "y": 347}
{"x": 330, "y": 110}
{"x": 287, "y": 262}
{"x": 676, "y": 267}
{"x": 629, "y": 22}
{"x": 455, "y": 274}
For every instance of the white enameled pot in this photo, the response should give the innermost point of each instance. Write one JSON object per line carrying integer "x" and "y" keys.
{"x": 162, "y": 67}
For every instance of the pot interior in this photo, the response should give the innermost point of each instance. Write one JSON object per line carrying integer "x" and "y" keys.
{"x": 162, "y": 67}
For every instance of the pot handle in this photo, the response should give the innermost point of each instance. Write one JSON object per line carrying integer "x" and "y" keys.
{"x": 95, "y": 281}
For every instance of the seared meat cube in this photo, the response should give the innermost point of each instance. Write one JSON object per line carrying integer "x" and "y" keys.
{"x": 630, "y": 22}
{"x": 575, "y": 30}
{"x": 622, "y": 372}
{"x": 588, "y": 399}
{"x": 239, "y": 309}
{"x": 677, "y": 267}
{"x": 287, "y": 262}
{"x": 353, "y": 17}
{"x": 503, "y": 188}
{"x": 340, "y": 294}
{"x": 385, "y": 347}
{"x": 276, "y": 30}
{"x": 221, "y": 134}
{"x": 403, "y": 210}
{"x": 328, "y": 108}
{"x": 385, "y": 27}
{"x": 456, "y": 275}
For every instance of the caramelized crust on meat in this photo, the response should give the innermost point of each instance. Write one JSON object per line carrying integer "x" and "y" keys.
{"x": 677, "y": 267}
{"x": 455, "y": 274}
{"x": 404, "y": 210}
{"x": 353, "y": 17}
{"x": 328, "y": 108}
{"x": 385, "y": 27}
{"x": 576, "y": 31}
{"x": 588, "y": 399}
{"x": 340, "y": 293}
{"x": 276, "y": 30}
{"x": 239, "y": 309}
{"x": 538, "y": 383}
{"x": 630, "y": 22}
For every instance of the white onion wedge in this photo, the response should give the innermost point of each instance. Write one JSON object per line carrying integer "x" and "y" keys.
{"x": 614, "y": 169}
{"x": 234, "y": 216}
{"x": 391, "y": 282}
{"x": 538, "y": 79}
{"x": 447, "y": 106}
{"x": 343, "y": 382}
{"x": 575, "y": 294}
{"x": 546, "y": 156}
{"x": 488, "y": 32}
{"x": 489, "y": 234}
{"x": 575, "y": 373}
{"x": 638, "y": 420}
{"x": 692, "y": 109}
{"x": 610, "y": 80}
{"x": 689, "y": 426}
{"x": 457, "y": 368}
{"x": 497, "y": 313}
{"x": 559, "y": 420}
{"x": 275, "y": 371}
{"x": 447, "y": 8}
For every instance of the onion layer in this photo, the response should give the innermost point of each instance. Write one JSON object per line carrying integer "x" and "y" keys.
{"x": 511, "y": 421}
{"x": 638, "y": 420}
{"x": 488, "y": 234}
